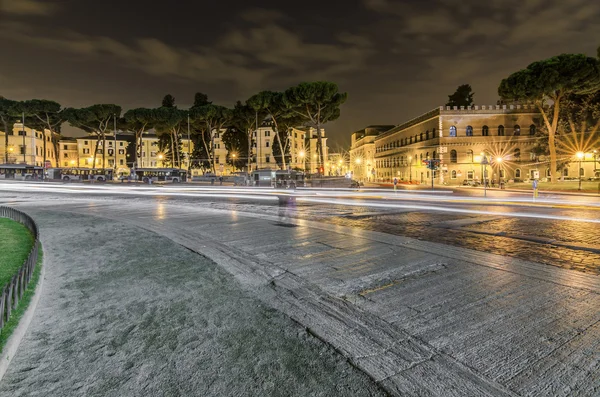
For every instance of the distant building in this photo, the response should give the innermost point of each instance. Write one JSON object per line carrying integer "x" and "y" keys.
{"x": 362, "y": 151}
{"x": 79, "y": 152}
{"x": 26, "y": 146}
{"x": 302, "y": 143}
{"x": 152, "y": 157}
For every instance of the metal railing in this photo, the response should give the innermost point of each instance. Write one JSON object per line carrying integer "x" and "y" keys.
{"x": 13, "y": 291}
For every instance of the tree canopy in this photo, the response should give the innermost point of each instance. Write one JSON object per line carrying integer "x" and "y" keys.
{"x": 463, "y": 96}
{"x": 318, "y": 103}
{"x": 548, "y": 84}
{"x": 7, "y": 115}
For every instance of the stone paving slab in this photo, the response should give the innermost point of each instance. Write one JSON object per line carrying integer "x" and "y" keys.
{"x": 488, "y": 322}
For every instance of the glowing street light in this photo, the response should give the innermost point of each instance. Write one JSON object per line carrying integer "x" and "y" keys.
{"x": 580, "y": 156}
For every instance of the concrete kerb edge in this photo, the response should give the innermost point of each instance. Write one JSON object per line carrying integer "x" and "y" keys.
{"x": 12, "y": 344}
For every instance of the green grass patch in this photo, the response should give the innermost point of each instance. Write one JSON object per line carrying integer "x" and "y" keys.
{"x": 15, "y": 243}
{"x": 16, "y": 315}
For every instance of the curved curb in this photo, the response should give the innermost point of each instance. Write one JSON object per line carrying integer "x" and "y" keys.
{"x": 12, "y": 344}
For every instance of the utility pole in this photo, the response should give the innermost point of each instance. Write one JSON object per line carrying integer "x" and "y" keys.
{"x": 189, "y": 147}
{"x": 484, "y": 163}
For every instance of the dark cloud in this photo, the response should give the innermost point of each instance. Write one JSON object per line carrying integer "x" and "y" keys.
{"x": 26, "y": 7}
{"x": 397, "y": 59}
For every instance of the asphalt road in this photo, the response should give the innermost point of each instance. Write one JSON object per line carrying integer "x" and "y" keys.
{"x": 482, "y": 298}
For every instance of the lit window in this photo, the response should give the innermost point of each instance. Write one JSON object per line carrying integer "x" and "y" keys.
{"x": 453, "y": 131}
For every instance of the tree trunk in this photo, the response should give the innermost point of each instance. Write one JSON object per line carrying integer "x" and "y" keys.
{"x": 95, "y": 151}
{"x": 172, "y": 149}
{"x": 103, "y": 151}
{"x": 138, "y": 148}
{"x": 551, "y": 127}
{"x": 320, "y": 147}
{"x": 5, "y": 141}
{"x": 276, "y": 131}
{"x": 56, "y": 144}
{"x": 203, "y": 134}
{"x": 249, "y": 132}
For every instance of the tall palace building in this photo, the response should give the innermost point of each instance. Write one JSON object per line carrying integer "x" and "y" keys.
{"x": 471, "y": 143}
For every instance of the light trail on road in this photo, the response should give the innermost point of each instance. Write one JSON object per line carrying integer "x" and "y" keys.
{"x": 409, "y": 200}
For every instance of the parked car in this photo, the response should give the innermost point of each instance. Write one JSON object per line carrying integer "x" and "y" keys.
{"x": 469, "y": 182}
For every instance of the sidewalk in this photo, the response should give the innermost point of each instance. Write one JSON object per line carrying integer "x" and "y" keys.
{"x": 418, "y": 317}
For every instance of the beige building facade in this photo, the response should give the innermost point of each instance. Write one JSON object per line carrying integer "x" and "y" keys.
{"x": 26, "y": 146}
{"x": 362, "y": 151}
{"x": 471, "y": 144}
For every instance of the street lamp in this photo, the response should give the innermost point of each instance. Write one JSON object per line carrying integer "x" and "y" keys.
{"x": 484, "y": 163}
{"x": 233, "y": 156}
{"x": 410, "y": 169}
{"x": 302, "y": 154}
{"x": 580, "y": 156}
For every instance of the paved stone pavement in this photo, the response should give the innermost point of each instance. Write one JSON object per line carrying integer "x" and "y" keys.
{"x": 127, "y": 312}
{"x": 421, "y": 318}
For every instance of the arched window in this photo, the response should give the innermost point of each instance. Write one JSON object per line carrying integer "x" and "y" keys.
{"x": 453, "y": 131}
{"x": 518, "y": 173}
{"x": 547, "y": 172}
{"x": 427, "y": 135}
{"x": 485, "y": 131}
{"x": 502, "y": 174}
{"x": 427, "y": 155}
{"x": 421, "y": 156}
{"x": 453, "y": 174}
{"x": 565, "y": 171}
{"x": 516, "y": 130}
{"x": 532, "y": 129}
{"x": 500, "y": 130}
{"x": 434, "y": 156}
{"x": 433, "y": 133}
{"x": 453, "y": 156}
{"x": 421, "y": 137}
{"x": 470, "y": 156}
{"x": 517, "y": 154}
{"x": 469, "y": 130}
{"x": 411, "y": 139}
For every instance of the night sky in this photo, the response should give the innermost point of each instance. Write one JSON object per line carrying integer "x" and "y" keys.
{"x": 396, "y": 59}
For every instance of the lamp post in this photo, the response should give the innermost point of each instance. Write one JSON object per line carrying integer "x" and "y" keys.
{"x": 410, "y": 169}
{"x": 301, "y": 154}
{"x": 233, "y": 156}
{"x": 484, "y": 163}
{"x": 580, "y": 156}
